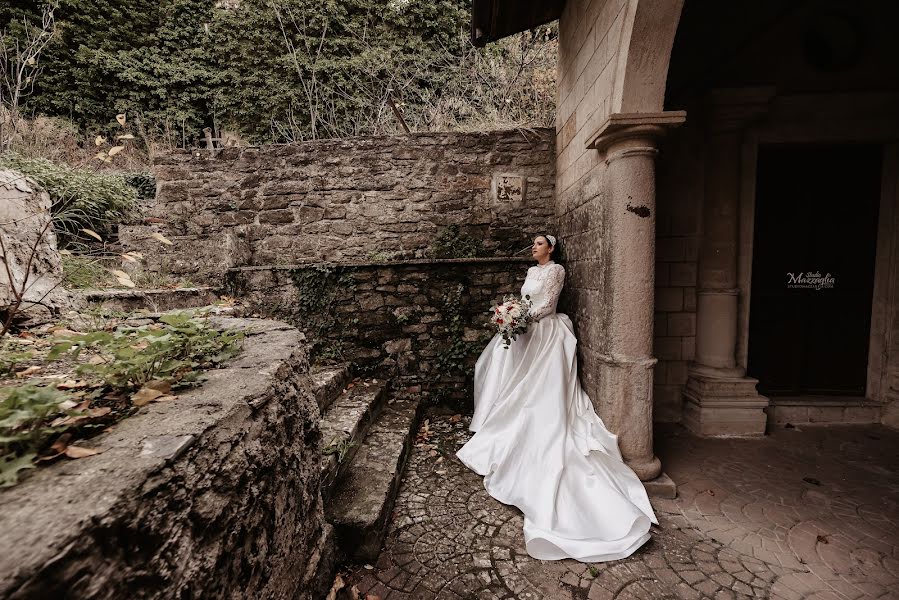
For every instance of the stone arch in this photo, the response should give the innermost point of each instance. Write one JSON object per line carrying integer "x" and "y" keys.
{"x": 644, "y": 54}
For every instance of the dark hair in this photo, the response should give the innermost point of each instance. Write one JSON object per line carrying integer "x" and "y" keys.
{"x": 556, "y": 252}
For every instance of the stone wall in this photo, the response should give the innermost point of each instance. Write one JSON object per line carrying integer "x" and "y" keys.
{"x": 353, "y": 199}
{"x": 589, "y": 33}
{"x": 213, "y": 495}
{"x": 396, "y": 321}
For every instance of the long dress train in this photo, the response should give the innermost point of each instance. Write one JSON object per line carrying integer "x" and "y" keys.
{"x": 541, "y": 446}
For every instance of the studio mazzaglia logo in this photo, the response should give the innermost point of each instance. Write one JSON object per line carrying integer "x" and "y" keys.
{"x": 810, "y": 280}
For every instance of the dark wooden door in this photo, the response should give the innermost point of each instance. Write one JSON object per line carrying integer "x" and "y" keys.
{"x": 816, "y": 214}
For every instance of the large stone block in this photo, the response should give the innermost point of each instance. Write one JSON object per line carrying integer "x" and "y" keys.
{"x": 214, "y": 495}
{"x": 33, "y": 270}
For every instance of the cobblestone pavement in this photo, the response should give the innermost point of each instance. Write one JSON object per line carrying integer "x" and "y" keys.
{"x": 811, "y": 513}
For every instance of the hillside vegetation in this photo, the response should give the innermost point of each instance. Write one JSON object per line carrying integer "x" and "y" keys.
{"x": 269, "y": 71}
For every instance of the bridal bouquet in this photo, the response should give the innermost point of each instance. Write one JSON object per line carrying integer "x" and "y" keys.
{"x": 511, "y": 317}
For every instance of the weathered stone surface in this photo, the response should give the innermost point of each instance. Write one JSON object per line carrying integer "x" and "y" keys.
{"x": 215, "y": 495}
{"x": 391, "y": 317}
{"x": 328, "y": 382}
{"x": 745, "y": 525}
{"x": 153, "y": 300}
{"x": 30, "y": 251}
{"x": 347, "y": 199}
{"x": 361, "y": 502}
{"x": 343, "y": 427}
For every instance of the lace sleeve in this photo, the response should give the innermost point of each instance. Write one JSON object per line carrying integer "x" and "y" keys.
{"x": 553, "y": 283}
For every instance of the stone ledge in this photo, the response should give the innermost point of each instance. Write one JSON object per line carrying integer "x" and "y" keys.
{"x": 152, "y": 299}
{"x": 395, "y": 263}
{"x": 215, "y": 492}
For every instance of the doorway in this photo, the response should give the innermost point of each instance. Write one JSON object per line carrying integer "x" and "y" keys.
{"x": 813, "y": 268}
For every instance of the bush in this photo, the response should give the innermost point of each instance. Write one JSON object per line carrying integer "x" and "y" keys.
{"x": 144, "y": 183}
{"x": 452, "y": 242}
{"x": 82, "y": 199}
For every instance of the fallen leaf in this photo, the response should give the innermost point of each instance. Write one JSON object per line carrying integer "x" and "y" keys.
{"x": 369, "y": 567}
{"x": 93, "y": 234}
{"x": 61, "y": 443}
{"x": 129, "y": 258}
{"x": 162, "y": 385}
{"x": 71, "y": 384}
{"x": 99, "y": 140}
{"x": 79, "y": 452}
{"x": 455, "y": 418}
{"x": 166, "y": 398}
{"x": 121, "y": 119}
{"x": 159, "y": 237}
{"x": 432, "y": 453}
{"x": 144, "y": 396}
{"x": 27, "y": 372}
{"x": 96, "y": 360}
{"x": 127, "y": 136}
{"x": 336, "y": 587}
{"x": 115, "y": 150}
{"x": 63, "y": 332}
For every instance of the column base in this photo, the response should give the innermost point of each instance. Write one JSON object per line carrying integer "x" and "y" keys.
{"x": 724, "y": 406}
{"x": 661, "y": 487}
{"x": 645, "y": 470}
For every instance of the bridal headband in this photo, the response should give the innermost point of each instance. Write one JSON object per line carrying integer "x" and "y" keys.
{"x": 551, "y": 239}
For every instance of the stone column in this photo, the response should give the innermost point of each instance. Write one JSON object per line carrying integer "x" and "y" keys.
{"x": 719, "y": 400}
{"x": 628, "y": 143}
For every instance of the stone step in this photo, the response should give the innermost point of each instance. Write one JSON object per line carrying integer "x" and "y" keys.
{"x": 344, "y": 425}
{"x": 154, "y": 300}
{"x": 363, "y": 499}
{"x": 328, "y": 382}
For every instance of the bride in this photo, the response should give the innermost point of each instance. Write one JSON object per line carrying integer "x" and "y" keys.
{"x": 540, "y": 445}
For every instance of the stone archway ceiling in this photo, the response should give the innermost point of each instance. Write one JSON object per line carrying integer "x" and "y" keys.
{"x": 495, "y": 19}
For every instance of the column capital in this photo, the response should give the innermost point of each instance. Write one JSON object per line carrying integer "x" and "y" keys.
{"x": 645, "y": 127}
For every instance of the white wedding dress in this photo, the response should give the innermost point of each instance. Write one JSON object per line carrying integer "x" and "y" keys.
{"x": 541, "y": 446}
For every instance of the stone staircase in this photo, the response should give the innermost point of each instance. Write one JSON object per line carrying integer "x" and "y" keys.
{"x": 366, "y": 439}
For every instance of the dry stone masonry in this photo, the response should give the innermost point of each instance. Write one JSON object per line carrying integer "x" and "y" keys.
{"x": 352, "y": 199}
{"x": 395, "y": 320}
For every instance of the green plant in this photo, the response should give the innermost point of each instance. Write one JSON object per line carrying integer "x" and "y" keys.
{"x": 24, "y": 412}
{"x": 378, "y": 256}
{"x": 85, "y": 272}
{"x": 12, "y": 353}
{"x": 175, "y": 350}
{"x": 452, "y": 242}
{"x": 143, "y": 183}
{"x": 82, "y": 198}
{"x": 340, "y": 448}
{"x": 318, "y": 289}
